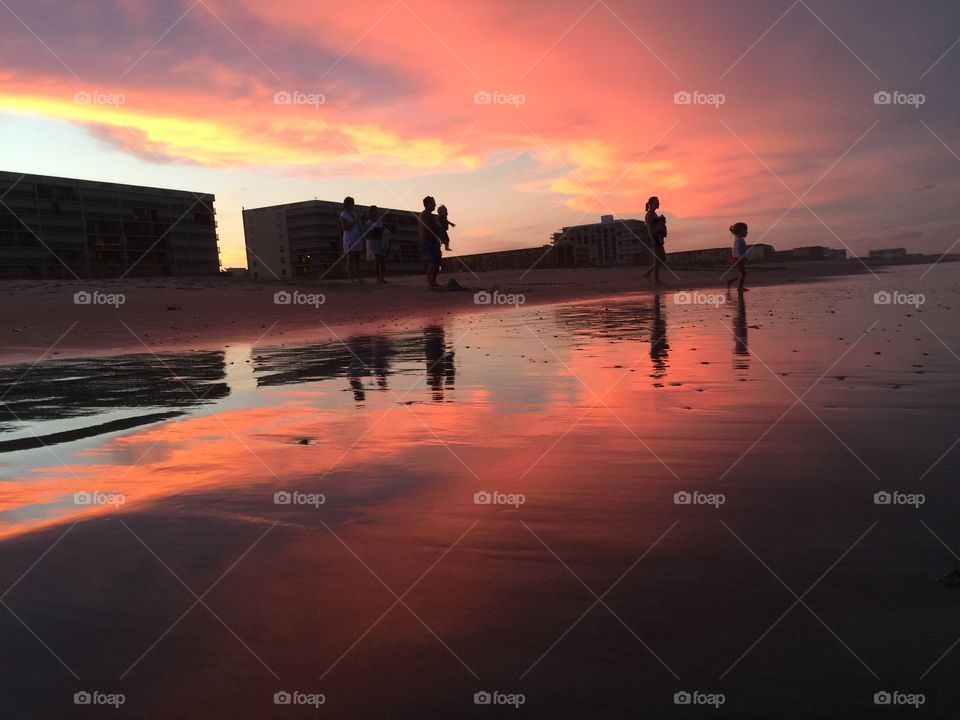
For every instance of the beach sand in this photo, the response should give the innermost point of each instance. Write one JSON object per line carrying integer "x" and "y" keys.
{"x": 597, "y": 596}
{"x": 192, "y": 314}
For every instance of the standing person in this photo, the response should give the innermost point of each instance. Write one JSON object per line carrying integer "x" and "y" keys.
{"x": 352, "y": 238}
{"x": 429, "y": 229}
{"x": 739, "y": 231}
{"x": 656, "y": 233}
{"x": 378, "y": 241}
{"x": 445, "y": 225}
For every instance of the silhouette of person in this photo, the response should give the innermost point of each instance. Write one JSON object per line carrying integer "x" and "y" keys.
{"x": 659, "y": 346}
{"x": 429, "y": 229}
{"x": 739, "y": 231}
{"x": 656, "y": 233}
{"x": 352, "y": 228}
{"x": 378, "y": 239}
{"x": 440, "y": 368}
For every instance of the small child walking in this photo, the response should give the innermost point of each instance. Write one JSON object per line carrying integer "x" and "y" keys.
{"x": 445, "y": 225}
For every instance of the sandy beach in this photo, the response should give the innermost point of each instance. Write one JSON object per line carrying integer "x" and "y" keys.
{"x": 192, "y": 314}
{"x": 493, "y": 502}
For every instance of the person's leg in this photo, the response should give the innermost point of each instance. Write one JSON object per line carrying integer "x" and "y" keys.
{"x": 743, "y": 276}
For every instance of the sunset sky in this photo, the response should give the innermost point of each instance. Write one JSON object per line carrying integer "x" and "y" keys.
{"x": 182, "y": 94}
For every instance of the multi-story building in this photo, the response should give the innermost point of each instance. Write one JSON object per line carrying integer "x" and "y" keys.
{"x": 608, "y": 242}
{"x": 303, "y": 240}
{"x": 888, "y": 254}
{"x": 54, "y": 227}
{"x": 811, "y": 252}
{"x": 538, "y": 258}
{"x": 758, "y": 252}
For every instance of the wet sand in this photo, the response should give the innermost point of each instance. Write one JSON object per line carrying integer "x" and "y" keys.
{"x": 597, "y": 413}
{"x": 193, "y": 314}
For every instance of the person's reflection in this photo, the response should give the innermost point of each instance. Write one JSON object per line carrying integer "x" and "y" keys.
{"x": 659, "y": 347}
{"x": 358, "y": 368}
{"x": 741, "y": 353}
{"x": 440, "y": 368}
{"x": 380, "y": 364}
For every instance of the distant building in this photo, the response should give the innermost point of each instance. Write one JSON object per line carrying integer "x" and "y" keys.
{"x": 812, "y": 252}
{"x": 608, "y": 242}
{"x": 759, "y": 252}
{"x": 523, "y": 259}
{"x": 888, "y": 254}
{"x": 54, "y": 227}
{"x": 303, "y": 240}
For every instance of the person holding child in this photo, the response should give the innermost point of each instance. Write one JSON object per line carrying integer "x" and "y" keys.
{"x": 656, "y": 233}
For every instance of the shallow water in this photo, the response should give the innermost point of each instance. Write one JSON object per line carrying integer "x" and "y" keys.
{"x": 587, "y": 425}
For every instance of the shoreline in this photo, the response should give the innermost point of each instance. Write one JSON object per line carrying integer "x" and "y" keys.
{"x": 181, "y": 314}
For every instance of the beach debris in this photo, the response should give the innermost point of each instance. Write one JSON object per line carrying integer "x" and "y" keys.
{"x": 951, "y": 579}
{"x": 174, "y": 307}
{"x": 303, "y": 441}
{"x": 18, "y": 330}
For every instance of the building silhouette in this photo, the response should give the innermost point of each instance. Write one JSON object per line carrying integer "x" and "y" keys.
{"x": 608, "y": 242}
{"x": 303, "y": 240}
{"x": 54, "y": 227}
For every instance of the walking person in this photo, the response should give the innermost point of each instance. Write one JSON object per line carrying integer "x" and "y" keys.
{"x": 656, "y": 233}
{"x": 352, "y": 229}
{"x": 739, "y": 231}
{"x": 429, "y": 229}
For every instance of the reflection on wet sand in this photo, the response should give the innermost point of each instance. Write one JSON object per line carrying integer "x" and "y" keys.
{"x": 659, "y": 345}
{"x": 441, "y": 371}
{"x": 358, "y": 357}
{"x": 65, "y": 389}
{"x": 620, "y": 320}
{"x": 741, "y": 353}
{"x": 490, "y": 587}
